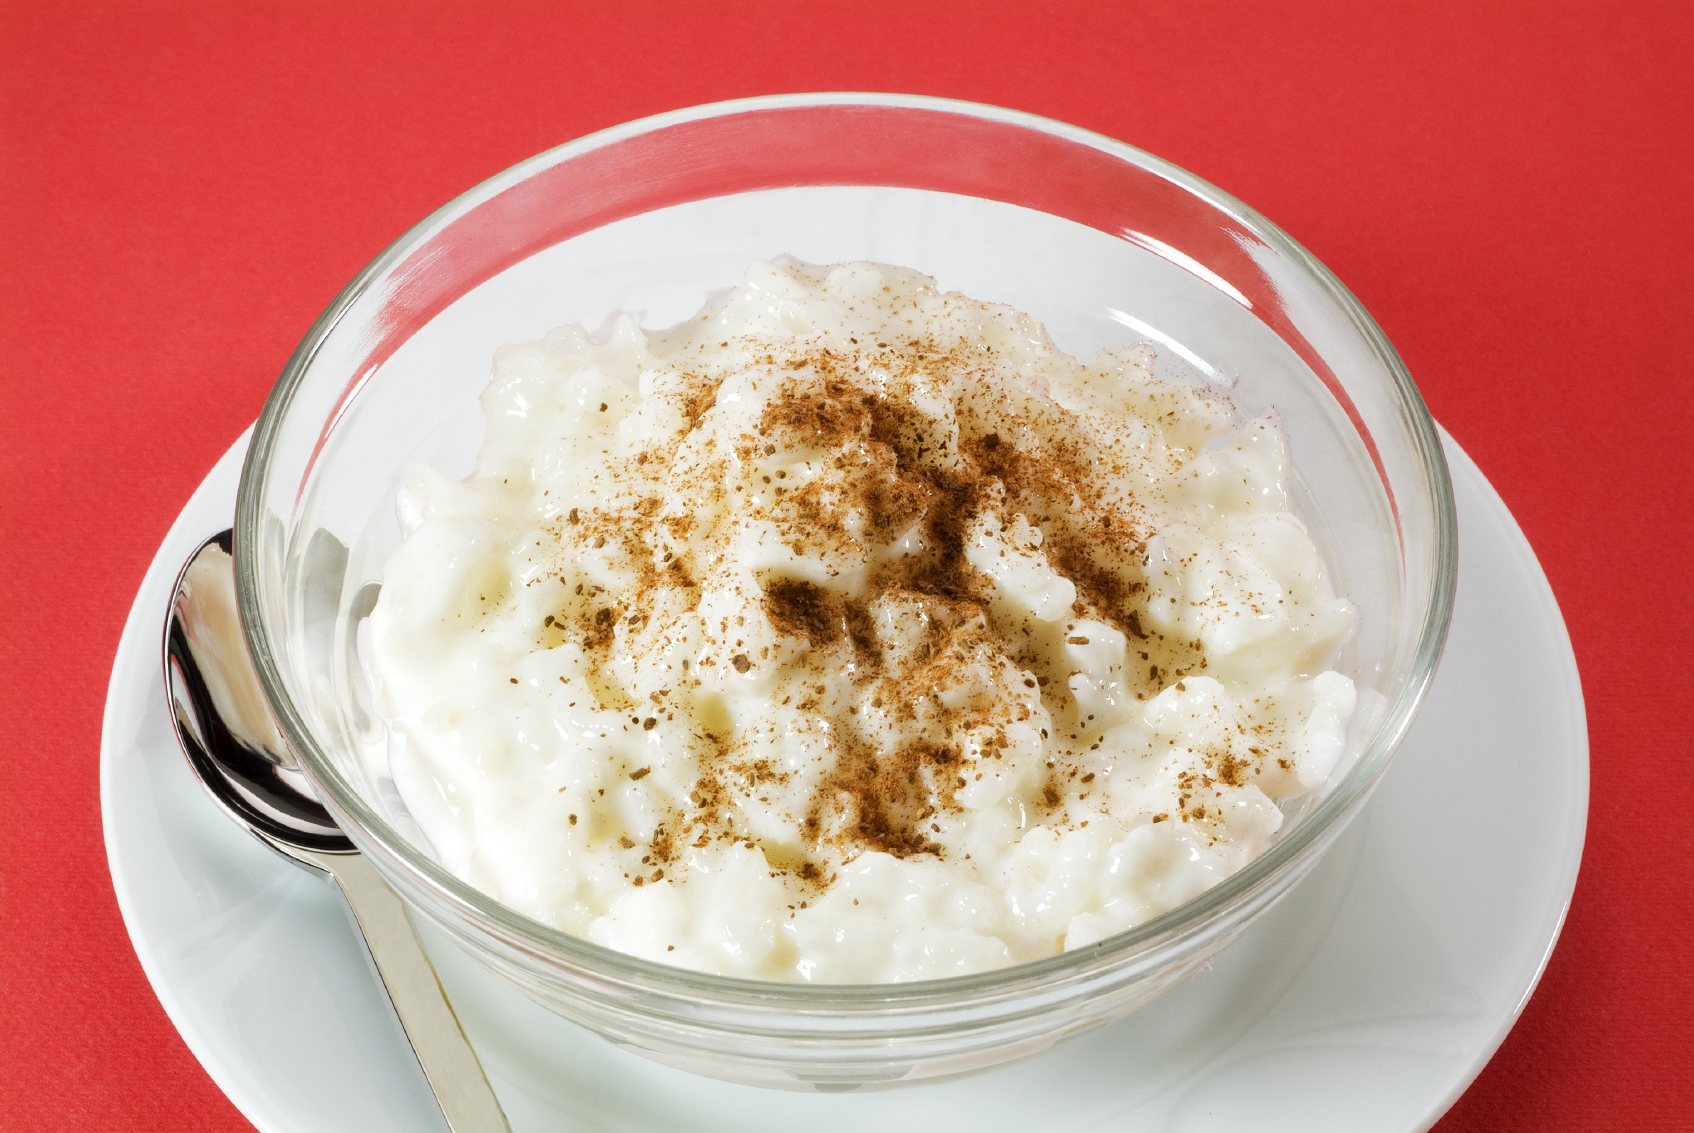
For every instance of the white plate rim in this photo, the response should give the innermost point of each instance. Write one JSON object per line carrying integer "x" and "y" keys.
{"x": 138, "y": 654}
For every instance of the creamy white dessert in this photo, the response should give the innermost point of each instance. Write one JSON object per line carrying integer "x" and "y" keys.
{"x": 851, "y": 632}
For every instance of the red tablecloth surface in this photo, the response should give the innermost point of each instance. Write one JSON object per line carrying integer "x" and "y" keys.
{"x": 1507, "y": 187}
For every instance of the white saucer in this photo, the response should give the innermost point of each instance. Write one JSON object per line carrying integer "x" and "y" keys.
{"x": 1368, "y": 999}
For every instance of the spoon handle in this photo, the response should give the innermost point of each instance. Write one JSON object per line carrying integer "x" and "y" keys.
{"x": 454, "y": 1073}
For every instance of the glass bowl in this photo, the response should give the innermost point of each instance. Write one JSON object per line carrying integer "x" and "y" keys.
{"x": 1105, "y": 244}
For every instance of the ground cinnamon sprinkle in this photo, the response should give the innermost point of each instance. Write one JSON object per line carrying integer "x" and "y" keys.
{"x": 886, "y": 461}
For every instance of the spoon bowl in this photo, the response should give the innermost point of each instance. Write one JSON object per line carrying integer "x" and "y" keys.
{"x": 227, "y": 736}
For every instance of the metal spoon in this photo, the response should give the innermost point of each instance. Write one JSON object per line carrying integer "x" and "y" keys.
{"x": 232, "y": 744}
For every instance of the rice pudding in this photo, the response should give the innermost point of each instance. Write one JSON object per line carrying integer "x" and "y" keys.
{"x": 851, "y": 632}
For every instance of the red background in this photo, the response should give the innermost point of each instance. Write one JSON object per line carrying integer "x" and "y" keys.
{"x": 1507, "y": 187}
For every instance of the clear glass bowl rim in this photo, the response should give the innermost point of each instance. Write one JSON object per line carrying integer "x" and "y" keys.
{"x": 1185, "y": 921}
